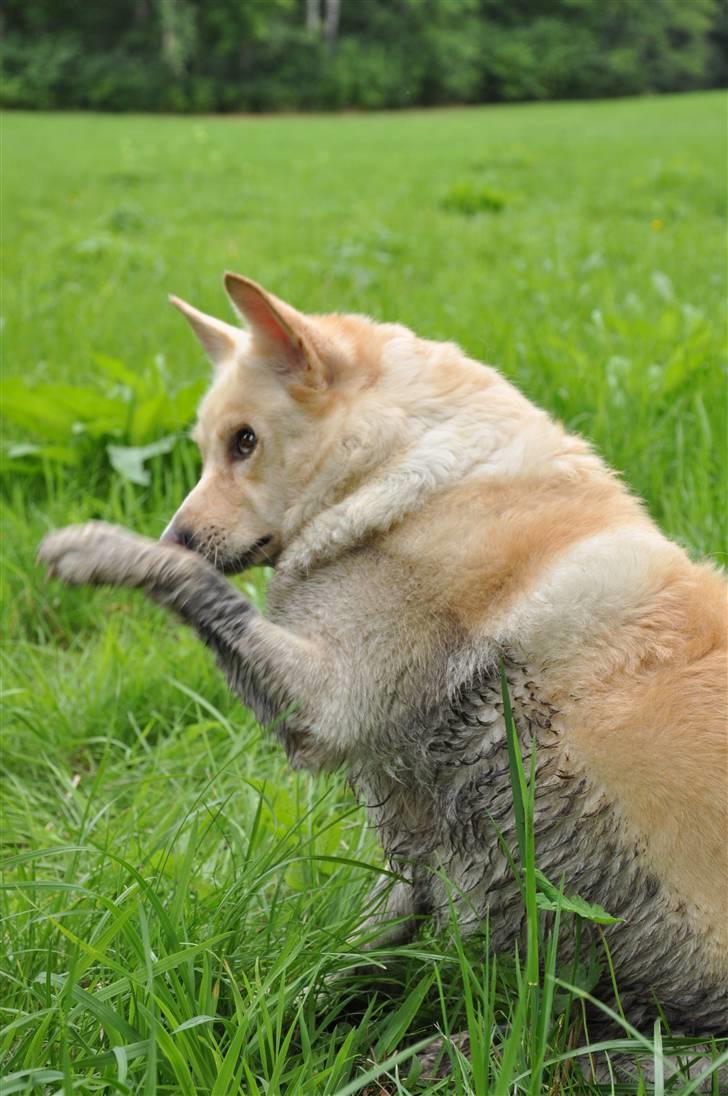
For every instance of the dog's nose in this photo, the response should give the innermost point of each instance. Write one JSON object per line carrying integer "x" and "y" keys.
{"x": 178, "y": 535}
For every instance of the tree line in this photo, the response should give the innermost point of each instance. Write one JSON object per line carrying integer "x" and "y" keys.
{"x": 254, "y": 55}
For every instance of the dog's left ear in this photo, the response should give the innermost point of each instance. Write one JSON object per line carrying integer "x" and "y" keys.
{"x": 219, "y": 339}
{"x": 282, "y": 332}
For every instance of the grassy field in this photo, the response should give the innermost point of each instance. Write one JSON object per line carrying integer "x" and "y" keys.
{"x": 180, "y": 912}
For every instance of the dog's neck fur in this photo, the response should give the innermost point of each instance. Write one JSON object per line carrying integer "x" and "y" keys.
{"x": 488, "y": 429}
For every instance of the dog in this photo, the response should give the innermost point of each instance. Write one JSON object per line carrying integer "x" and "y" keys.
{"x": 429, "y": 525}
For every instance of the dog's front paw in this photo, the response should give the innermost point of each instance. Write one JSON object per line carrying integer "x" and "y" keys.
{"x": 98, "y": 553}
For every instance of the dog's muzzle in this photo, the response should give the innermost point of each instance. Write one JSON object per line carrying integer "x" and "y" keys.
{"x": 183, "y": 537}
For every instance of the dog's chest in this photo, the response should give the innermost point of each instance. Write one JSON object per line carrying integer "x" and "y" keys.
{"x": 443, "y": 804}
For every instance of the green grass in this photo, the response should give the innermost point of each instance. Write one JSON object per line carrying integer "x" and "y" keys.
{"x": 180, "y": 912}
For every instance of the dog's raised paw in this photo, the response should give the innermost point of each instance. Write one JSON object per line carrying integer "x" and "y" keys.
{"x": 95, "y": 553}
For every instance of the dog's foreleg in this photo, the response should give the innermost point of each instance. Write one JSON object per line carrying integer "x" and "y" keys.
{"x": 283, "y": 677}
{"x": 279, "y": 675}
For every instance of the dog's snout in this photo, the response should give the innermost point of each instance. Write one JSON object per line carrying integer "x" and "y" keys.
{"x": 178, "y": 534}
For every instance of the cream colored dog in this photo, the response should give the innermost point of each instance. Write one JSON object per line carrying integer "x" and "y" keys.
{"x": 426, "y": 522}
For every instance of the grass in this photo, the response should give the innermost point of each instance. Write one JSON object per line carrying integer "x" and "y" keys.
{"x": 181, "y": 913}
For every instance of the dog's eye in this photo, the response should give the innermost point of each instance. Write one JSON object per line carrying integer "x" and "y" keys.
{"x": 244, "y": 442}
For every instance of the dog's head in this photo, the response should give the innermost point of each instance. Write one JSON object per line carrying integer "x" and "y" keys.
{"x": 275, "y": 429}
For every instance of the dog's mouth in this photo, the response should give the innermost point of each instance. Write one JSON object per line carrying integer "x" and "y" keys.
{"x": 261, "y": 551}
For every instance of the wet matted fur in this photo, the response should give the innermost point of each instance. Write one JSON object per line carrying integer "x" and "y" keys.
{"x": 425, "y": 522}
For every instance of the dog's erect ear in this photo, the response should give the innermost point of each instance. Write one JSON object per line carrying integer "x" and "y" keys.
{"x": 280, "y": 329}
{"x": 218, "y": 338}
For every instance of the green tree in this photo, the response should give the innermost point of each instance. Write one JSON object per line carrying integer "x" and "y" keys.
{"x": 271, "y": 54}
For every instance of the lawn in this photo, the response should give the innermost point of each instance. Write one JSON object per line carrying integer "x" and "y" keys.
{"x": 180, "y": 911}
